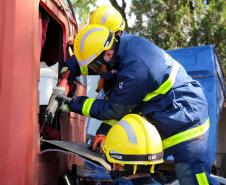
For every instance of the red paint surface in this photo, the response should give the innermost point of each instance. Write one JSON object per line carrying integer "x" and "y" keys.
{"x": 20, "y": 161}
{"x": 63, "y": 81}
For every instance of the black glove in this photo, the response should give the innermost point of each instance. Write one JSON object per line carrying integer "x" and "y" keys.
{"x": 103, "y": 129}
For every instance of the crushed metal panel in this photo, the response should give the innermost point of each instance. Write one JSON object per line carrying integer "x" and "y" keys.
{"x": 77, "y": 148}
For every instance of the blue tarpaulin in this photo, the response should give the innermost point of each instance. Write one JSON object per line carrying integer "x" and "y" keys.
{"x": 202, "y": 63}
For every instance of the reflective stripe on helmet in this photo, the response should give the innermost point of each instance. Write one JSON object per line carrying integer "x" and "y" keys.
{"x": 202, "y": 179}
{"x": 186, "y": 135}
{"x": 105, "y": 16}
{"x": 87, "y": 106}
{"x": 129, "y": 131}
{"x": 145, "y": 157}
{"x": 82, "y": 42}
{"x": 166, "y": 86}
{"x": 87, "y": 61}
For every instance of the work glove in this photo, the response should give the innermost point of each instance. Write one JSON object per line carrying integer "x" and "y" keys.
{"x": 97, "y": 143}
{"x": 64, "y": 102}
{"x": 100, "y": 137}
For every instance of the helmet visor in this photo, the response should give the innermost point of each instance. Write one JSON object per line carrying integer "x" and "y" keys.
{"x": 96, "y": 64}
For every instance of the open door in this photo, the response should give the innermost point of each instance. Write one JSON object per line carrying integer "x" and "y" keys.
{"x": 65, "y": 126}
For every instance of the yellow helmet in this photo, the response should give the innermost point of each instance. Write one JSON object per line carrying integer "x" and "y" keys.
{"x": 108, "y": 16}
{"x": 133, "y": 141}
{"x": 89, "y": 43}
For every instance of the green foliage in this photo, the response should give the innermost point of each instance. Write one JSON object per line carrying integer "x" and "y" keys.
{"x": 211, "y": 29}
{"x": 182, "y": 23}
{"x": 164, "y": 22}
{"x": 82, "y": 9}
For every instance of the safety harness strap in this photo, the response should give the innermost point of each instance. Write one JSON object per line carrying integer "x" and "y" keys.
{"x": 166, "y": 86}
{"x": 87, "y": 106}
{"x": 186, "y": 135}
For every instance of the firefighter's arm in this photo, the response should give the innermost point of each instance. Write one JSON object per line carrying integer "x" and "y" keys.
{"x": 62, "y": 88}
{"x": 128, "y": 92}
{"x": 70, "y": 69}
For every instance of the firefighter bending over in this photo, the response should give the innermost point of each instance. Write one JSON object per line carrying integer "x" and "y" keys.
{"x": 149, "y": 82}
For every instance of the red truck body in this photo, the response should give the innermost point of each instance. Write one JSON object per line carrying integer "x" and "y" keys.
{"x": 24, "y": 40}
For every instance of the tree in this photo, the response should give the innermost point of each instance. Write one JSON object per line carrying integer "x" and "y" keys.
{"x": 164, "y": 22}
{"x": 121, "y": 9}
{"x": 211, "y": 28}
{"x": 182, "y": 23}
{"x": 82, "y": 9}
{"x": 173, "y": 23}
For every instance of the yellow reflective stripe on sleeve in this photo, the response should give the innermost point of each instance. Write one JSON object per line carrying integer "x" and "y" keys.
{"x": 166, "y": 86}
{"x": 84, "y": 70}
{"x": 186, "y": 135}
{"x": 110, "y": 122}
{"x": 87, "y": 106}
{"x": 202, "y": 179}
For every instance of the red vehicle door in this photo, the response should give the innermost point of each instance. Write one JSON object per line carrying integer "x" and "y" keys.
{"x": 30, "y": 32}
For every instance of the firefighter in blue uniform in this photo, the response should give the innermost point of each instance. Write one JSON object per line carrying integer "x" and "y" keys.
{"x": 109, "y": 17}
{"x": 153, "y": 84}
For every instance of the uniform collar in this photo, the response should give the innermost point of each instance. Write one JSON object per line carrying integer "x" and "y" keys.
{"x": 122, "y": 50}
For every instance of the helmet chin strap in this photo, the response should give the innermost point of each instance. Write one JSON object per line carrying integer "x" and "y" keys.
{"x": 108, "y": 65}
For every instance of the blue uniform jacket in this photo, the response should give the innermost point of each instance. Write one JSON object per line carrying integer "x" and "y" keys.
{"x": 142, "y": 68}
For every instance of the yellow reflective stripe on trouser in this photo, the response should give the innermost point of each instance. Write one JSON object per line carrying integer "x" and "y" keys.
{"x": 166, "y": 86}
{"x": 110, "y": 122}
{"x": 186, "y": 135}
{"x": 87, "y": 106}
{"x": 202, "y": 179}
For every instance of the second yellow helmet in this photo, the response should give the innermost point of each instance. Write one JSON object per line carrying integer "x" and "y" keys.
{"x": 108, "y": 16}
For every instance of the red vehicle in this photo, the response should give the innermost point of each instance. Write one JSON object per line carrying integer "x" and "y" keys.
{"x": 33, "y": 33}
{"x": 30, "y": 32}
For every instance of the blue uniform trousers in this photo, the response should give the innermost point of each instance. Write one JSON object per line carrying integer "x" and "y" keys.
{"x": 192, "y": 162}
